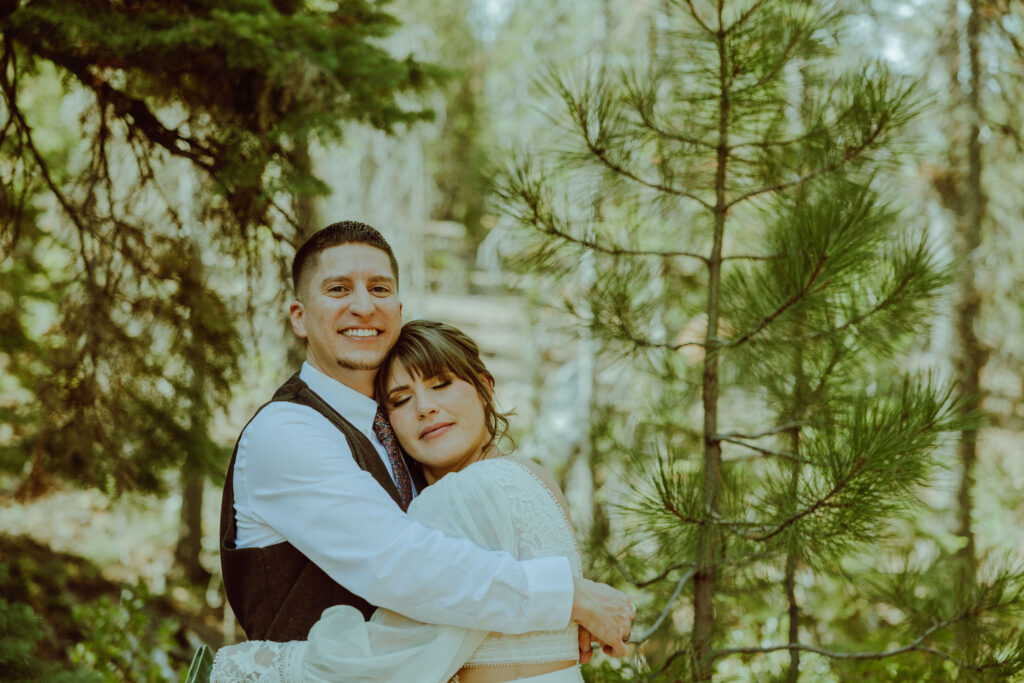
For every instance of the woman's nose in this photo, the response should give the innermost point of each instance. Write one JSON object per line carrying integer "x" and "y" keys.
{"x": 426, "y": 407}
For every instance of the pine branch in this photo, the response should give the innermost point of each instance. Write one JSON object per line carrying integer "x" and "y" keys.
{"x": 10, "y": 96}
{"x": 821, "y": 503}
{"x": 579, "y": 113}
{"x": 903, "y": 284}
{"x": 602, "y": 154}
{"x": 549, "y": 228}
{"x": 746, "y": 15}
{"x": 851, "y": 153}
{"x": 797, "y": 296}
{"x": 141, "y": 116}
{"x": 646, "y": 114}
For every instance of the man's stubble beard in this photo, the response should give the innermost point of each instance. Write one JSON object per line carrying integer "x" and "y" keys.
{"x": 357, "y": 365}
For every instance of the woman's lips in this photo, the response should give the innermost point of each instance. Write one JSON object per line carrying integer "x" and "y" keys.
{"x": 435, "y": 430}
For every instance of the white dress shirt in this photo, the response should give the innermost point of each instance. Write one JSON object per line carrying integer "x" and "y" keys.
{"x": 295, "y": 480}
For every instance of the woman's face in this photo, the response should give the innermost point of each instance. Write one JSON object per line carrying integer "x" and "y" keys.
{"x": 438, "y": 420}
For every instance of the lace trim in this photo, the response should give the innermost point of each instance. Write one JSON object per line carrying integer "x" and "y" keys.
{"x": 258, "y": 660}
{"x": 544, "y": 531}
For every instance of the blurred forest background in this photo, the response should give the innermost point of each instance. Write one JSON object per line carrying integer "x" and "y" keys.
{"x": 749, "y": 272}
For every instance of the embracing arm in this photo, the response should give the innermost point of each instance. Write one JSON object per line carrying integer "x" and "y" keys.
{"x": 295, "y": 478}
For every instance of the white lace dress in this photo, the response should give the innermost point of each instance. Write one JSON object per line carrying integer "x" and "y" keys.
{"x": 498, "y": 504}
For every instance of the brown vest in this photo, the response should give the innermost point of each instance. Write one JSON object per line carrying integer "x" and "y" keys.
{"x": 276, "y": 592}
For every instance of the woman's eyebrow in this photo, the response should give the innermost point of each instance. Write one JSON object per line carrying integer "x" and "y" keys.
{"x": 404, "y": 387}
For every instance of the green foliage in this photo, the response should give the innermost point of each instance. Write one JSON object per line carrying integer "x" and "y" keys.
{"x": 123, "y": 641}
{"x": 157, "y": 154}
{"x": 66, "y": 622}
{"x": 22, "y": 630}
{"x": 731, "y": 199}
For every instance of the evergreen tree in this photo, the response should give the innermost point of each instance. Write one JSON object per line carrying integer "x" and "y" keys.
{"x": 734, "y": 196}
{"x": 121, "y": 234}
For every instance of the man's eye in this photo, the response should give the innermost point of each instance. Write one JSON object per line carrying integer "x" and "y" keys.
{"x": 381, "y": 290}
{"x": 336, "y": 289}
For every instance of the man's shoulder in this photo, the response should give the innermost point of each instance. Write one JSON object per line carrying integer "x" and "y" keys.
{"x": 284, "y": 420}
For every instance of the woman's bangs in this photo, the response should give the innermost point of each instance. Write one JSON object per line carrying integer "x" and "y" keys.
{"x": 429, "y": 360}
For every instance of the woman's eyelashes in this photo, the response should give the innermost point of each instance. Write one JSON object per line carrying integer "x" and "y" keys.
{"x": 435, "y": 383}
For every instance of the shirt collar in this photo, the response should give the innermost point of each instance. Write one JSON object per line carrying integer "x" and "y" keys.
{"x": 355, "y": 407}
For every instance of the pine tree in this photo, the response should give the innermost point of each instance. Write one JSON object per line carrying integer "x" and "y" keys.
{"x": 733, "y": 193}
{"x": 185, "y": 160}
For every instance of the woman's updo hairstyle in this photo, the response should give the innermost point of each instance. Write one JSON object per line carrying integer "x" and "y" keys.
{"x": 428, "y": 349}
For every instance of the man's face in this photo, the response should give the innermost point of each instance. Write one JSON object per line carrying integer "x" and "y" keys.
{"x": 349, "y": 314}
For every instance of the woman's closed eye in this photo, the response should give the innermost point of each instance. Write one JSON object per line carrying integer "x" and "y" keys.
{"x": 397, "y": 400}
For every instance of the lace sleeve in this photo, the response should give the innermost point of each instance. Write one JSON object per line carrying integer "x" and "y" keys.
{"x": 259, "y": 660}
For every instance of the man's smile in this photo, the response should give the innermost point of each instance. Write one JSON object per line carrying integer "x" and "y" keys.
{"x": 360, "y": 332}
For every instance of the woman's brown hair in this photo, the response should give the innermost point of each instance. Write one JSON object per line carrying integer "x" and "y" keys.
{"x": 428, "y": 348}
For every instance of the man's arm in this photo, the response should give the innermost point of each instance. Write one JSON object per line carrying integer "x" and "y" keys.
{"x": 294, "y": 474}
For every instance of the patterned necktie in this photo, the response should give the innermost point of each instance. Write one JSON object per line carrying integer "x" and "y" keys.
{"x": 386, "y": 435}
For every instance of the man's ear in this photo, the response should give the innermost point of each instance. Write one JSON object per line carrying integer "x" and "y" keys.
{"x": 295, "y": 314}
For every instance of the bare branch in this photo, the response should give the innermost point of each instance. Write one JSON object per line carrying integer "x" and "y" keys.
{"x": 764, "y": 451}
{"x": 753, "y": 257}
{"x": 697, "y": 18}
{"x": 760, "y": 435}
{"x": 916, "y": 645}
{"x": 668, "y": 607}
{"x": 644, "y": 583}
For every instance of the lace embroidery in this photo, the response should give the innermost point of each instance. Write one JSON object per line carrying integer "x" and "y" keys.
{"x": 259, "y": 660}
{"x": 543, "y": 531}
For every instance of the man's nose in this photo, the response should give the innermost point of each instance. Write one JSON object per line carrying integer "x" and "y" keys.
{"x": 362, "y": 302}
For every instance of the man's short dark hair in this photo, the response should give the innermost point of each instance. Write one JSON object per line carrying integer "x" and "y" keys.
{"x": 342, "y": 232}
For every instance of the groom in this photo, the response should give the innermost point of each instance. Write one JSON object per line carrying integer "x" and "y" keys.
{"x": 313, "y": 508}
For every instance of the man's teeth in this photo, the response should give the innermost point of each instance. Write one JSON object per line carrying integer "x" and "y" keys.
{"x": 360, "y": 333}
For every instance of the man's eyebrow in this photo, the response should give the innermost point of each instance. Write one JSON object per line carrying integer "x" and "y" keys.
{"x": 335, "y": 278}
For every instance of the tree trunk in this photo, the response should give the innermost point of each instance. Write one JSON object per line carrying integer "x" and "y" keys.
{"x": 190, "y": 534}
{"x": 970, "y": 355}
{"x": 791, "y": 565}
{"x": 708, "y": 551}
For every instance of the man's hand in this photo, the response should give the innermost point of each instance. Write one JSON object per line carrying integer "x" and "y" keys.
{"x": 604, "y": 612}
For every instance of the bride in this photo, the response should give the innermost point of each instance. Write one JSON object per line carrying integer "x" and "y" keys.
{"x": 439, "y": 398}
